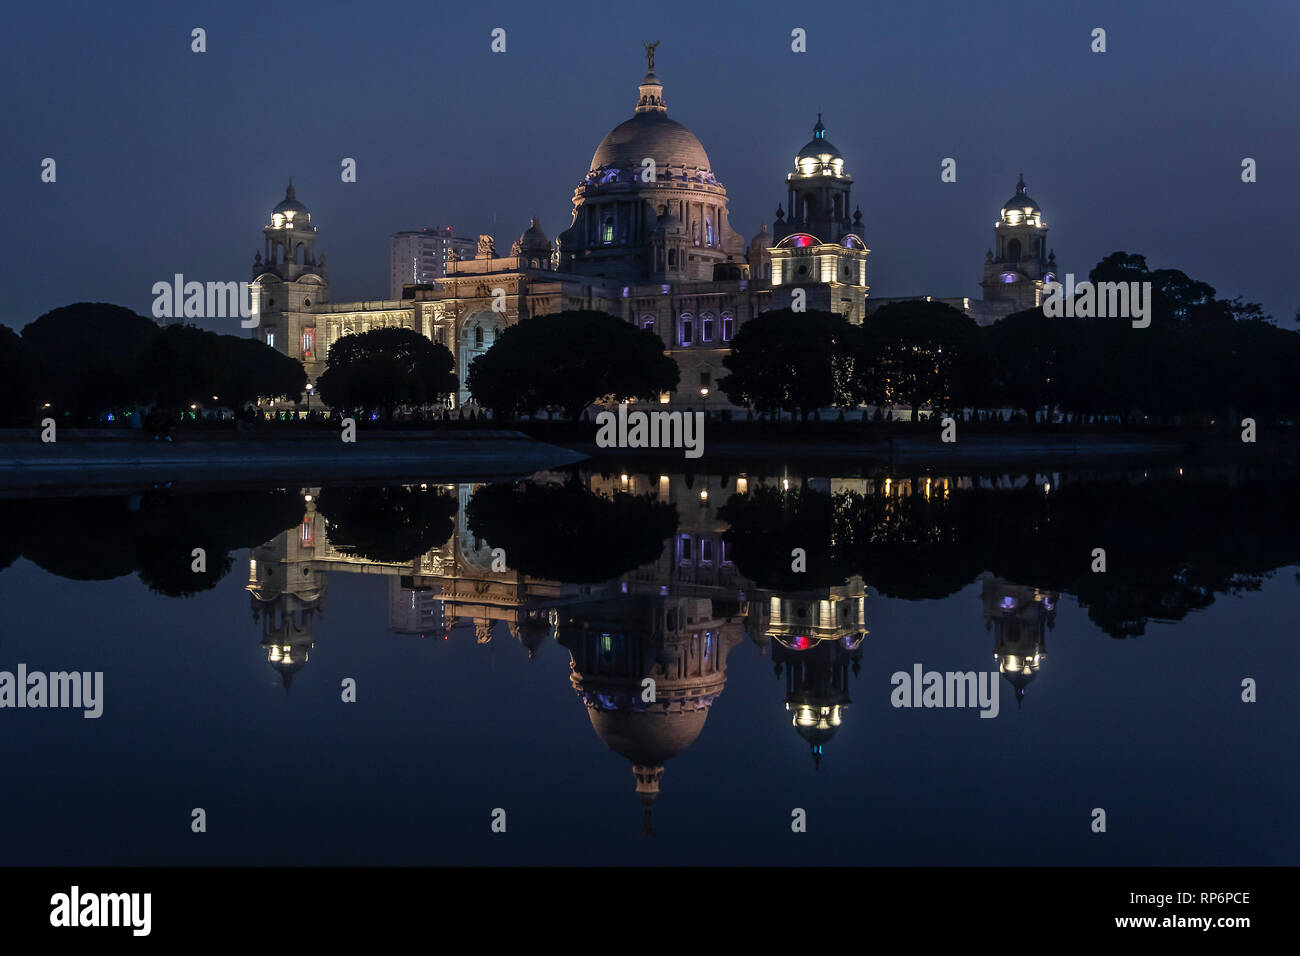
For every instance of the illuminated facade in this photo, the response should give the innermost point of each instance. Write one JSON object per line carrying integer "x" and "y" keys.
{"x": 1016, "y": 272}
{"x": 1020, "y": 617}
{"x": 651, "y": 241}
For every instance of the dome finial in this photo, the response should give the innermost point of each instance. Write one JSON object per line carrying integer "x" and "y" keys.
{"x": 819, "y": 131}
{"x": 289, "y": 193}
{"x": 1020, "y": 185}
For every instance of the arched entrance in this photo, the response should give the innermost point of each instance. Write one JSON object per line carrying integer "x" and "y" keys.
{"x": 478, "y": 332}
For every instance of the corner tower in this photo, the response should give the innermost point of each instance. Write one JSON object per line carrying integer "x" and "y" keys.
{"x": 1019, "y": 264}
{"x": 289, "y": 284}
{"x": 820, "y": 247}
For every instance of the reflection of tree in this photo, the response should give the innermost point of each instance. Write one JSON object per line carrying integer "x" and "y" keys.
{"x": 768, "y": 524}
{"x": 95, "y": 539}
{"x": 566, "y": 533}
{"x": 393, "y": 524}
{"x": 1171, "y": 545}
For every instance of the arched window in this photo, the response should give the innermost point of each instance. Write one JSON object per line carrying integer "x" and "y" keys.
{"x": 706, "y": 327}
{"x": 672, "y": 258}
{"x": 728, "y": 326}
{"x": 686, "y": 330}
{"x": 1013, "y": 250}
{"x": 695, "y": 231}
{"x": 708, "y": 231}
{"x": 609, "y": 229}
{"x": 648, "y": 323}
{"x": 478, "y": 336}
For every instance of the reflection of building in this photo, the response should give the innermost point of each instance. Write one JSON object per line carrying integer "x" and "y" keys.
{"x": 286, "y": 598}
{"x": 816, "y": 637}
{"x": 616, "y": 645}
{"x": 413, "y": 610}
{"x": 1020, "y": 617}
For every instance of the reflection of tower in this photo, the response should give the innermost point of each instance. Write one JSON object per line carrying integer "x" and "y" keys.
{"x": 816, "y": 638}
{"x": 616, "y": 645}
{"x": 288, "y": 590}
{"x": 287, "y": 604}
{"x": 1020, "y": 617}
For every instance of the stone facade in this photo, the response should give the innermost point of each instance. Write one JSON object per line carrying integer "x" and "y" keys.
{"x": 651, "y": 242}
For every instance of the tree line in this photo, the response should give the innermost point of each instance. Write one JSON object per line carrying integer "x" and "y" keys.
{"x": 85, "y": 361}
{"x": 1201, "y": 358}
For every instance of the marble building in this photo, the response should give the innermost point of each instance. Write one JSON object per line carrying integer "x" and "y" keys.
{"x": 652, "y": 242}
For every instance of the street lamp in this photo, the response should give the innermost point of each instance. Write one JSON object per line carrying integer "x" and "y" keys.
{"x": 704, "y": 394}
{"x": 310, "y": 388}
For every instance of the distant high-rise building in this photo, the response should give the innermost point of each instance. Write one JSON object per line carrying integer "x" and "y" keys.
{"x": 420, "y": 256}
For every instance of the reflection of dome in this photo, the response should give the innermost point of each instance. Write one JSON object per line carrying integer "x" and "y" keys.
{"x": 648, "y": 737}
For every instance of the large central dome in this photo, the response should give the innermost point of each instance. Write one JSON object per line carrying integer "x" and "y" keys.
{"x": 650, "y": 207}
{"x": 650, "y": 135}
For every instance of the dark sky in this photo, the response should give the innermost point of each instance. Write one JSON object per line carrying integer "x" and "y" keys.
{"x": 170, "y": 161}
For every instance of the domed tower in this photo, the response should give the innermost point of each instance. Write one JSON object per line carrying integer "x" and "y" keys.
{"x": 760, "y": 261}
{"x": 819, "y": 248}
{"x": 533, "y": 248}
{"x": 1019, "y": 264}
{"x": 289, "y": 284}
{"x": 647, "y": 172}
{"x": 1020, "y": 617}
{"x": 615, "y": 646}
{"x": 818, "y": 193}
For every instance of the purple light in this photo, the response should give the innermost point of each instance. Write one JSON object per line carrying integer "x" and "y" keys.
{"x": 1008, "y": 603}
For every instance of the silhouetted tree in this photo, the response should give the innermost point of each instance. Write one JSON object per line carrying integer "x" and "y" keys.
{"x": 17, "y": 379}
{"x": 793, "y": 362}
{"x": 385, "y": 368}
{"x": 393, "y": 524}
{"x": 568, "y": 361}
{"x": 87, "y": 356}
{"x": 923, "y": 353}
